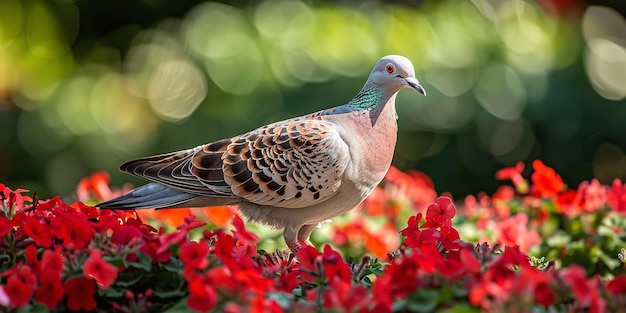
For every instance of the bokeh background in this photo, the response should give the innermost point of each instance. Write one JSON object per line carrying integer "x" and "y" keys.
{"x": 86, "y": 85}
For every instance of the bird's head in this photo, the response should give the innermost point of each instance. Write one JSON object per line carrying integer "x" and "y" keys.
{"x": 395, "y": 72}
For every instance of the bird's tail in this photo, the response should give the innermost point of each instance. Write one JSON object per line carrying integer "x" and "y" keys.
{"x": 151, "y": 195}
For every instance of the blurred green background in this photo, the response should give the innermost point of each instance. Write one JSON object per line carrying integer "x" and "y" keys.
{"x": 86, "y": 85}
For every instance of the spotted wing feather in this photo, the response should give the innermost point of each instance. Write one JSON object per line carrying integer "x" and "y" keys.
{"x": 289, "y": 164}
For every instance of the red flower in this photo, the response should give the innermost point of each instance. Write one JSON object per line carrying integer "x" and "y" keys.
{"x": 346, "y": 298}
{"x": 202, "y": 297}
{"x": 103, "y": 272}
{"x": 221, "y": 278}
{"x": 450, "y": 238}
{"x": 440, "y": 213}
{"x": 546, "y": 181}
{"x": 262, "y": 304}
{"x": 587, "y": 292}
{"x": 76, "y": 231}
{"x": 508, "y": 278}
{"x": 335, "y": 266}
{"x": 80, "y": 294}
{"x": 413, "y": 225}
{"x": 52, "y": 261}
{"x": 20, "y": 286}
{"x": 38, "y": 231}
{"x": 233, "y": 255}
{"x": 194, "y": 254}
{"x": 31, "y": 259}
{"x": 123, "y": 235}
{"x": 617, "y": 285}
{"x": 514, "y": 173}
{"x": 152, "y": 247}
{"x": 399, "y": 280}
{"x": 426, "y": 239}
{"x": 576, "y": 277}
{"x": 308, "y": 256}
{"x": 50, "y": 290}
{"x": 242, "y": 234}
{"x": 5, "y": 224}
{"x": 569, "y": 202}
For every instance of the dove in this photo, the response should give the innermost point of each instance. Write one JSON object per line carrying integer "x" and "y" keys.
{"x": 292, "y": 174}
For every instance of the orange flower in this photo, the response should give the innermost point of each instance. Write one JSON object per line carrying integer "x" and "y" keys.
{"x": 414, "y": 185}
{"x": 95, "y": 186}
{"x": 170, "y": 217}
{"x": 219, "y": 215}
{"x": 382, "y": 241}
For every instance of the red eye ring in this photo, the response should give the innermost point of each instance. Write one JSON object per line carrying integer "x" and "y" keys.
{"x": 389, "y": 68}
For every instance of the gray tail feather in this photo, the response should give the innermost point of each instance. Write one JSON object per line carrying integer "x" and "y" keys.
{"x": 147, "y": 196}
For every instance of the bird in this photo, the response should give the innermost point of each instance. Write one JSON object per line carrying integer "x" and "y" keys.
{"x": 292, "y": 174}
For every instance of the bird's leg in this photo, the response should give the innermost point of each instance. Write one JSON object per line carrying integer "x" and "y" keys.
{"x": 298, "y": 237}
{"x": 304, "y": 233}
{"x": 291, "y": 238}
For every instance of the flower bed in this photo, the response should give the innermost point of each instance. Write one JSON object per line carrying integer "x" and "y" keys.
{"x": 406, "y": 242}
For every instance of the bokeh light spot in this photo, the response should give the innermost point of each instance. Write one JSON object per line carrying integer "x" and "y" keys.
{"x": 609, "y": 163}
{"x": 606, "y": 67}
{"x": 175, "y": 89}
{"x": 501, "y": 92}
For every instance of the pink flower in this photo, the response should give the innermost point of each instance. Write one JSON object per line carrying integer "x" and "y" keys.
{"x": 616, "y": 196}
{"x": 514, "y": 232}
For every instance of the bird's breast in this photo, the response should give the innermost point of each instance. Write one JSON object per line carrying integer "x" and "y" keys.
{"x": 371, "y": 146}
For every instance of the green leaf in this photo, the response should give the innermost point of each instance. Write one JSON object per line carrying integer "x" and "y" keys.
{"x": 375, "y": 271}
{"x": 425, "y": 300}
{"x": 366, "y": 281}
{"x": 461, "y": 308}
{"x": 283, "y": 299}
{"x": 112, "y": 292}
{"x": 128, "y": 279}
{"x": 144, "y": 262}
{"x": 180, "y": 307}
{"x": 170, "y": 285}
{"x": 171, "y": 293}
{"x": 34, "y": 308}
{"x": 559, "y": 239}
{"x": 174, "y": 265}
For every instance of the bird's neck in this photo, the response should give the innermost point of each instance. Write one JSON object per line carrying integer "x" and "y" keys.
{"x": 368, "y": 98}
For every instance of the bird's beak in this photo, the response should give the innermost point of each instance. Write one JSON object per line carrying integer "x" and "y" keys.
{"x": 412, "y": 81}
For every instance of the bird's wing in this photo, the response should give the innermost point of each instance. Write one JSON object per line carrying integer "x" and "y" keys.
{"x": 291, "y": 164}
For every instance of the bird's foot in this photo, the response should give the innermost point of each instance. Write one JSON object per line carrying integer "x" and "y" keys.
{"x": 294, "y": 246}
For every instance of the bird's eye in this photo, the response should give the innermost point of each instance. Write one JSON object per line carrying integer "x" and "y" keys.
{"x": 390, "y": 68}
